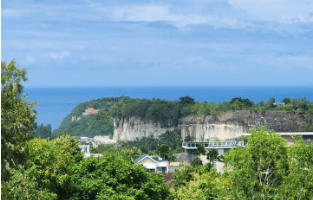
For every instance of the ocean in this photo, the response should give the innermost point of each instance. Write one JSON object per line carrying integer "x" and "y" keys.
{"x": 55, "y": 103}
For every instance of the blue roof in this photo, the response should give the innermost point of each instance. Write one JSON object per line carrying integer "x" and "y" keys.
{"x": 157, "y": 158}
{"x": 140, "y": 157}
{"x": 144, "y": 155}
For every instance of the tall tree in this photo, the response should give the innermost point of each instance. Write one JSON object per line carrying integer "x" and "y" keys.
{"x": 17, "y": 117}
{"x": 259, "y": 168}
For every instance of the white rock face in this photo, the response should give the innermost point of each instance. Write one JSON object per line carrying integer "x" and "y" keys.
{"x": 225, "y": 126}
{"x": 134, "y": 127}
{"x": 205, "y": 132}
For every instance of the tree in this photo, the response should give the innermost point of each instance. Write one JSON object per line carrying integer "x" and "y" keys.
{"x": 259, "y": 168}
{"x": 165, "y": 150}
{"x": 286, "y": 100}
{"x": 43, "y": 131}
{"x": 212, "y": 156}
{"x": 270, "y": 102}
{"x": 17, "y": 118}
{"x": 112, "y": 177}
{"x": 187, "y": 100}
{"x": 201, "y": 151}
{"x": 298, "y": 184}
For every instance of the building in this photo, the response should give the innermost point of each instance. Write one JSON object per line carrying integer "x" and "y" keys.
{"x": 103, "y": 140}
{"x": 89, "y": 111}
{"x": 222, "y": 147}
{"x": 154, "y": 164}
{"x": 191, "y": 150}
{"x": 85, "y": 149}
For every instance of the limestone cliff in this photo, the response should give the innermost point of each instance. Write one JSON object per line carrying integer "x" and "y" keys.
{"x": 227, "y": 126}
{"x": 131, "y": 128}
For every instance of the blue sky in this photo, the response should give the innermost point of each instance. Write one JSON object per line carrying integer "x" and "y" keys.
{"x": 156, "y": 43}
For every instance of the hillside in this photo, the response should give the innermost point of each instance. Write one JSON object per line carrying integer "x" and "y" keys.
{"x": 93, "y": 124}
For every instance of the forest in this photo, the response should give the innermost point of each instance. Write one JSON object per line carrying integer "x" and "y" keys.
{"x": 35, "y": 168}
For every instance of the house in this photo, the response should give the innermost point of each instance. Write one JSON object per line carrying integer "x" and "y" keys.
{"x": 154, "y": 164}
{"x": 89, "y": 111}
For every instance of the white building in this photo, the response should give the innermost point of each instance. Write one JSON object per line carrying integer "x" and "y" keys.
{"x": 85, "y": 149}
{"x": 154, "y": 164}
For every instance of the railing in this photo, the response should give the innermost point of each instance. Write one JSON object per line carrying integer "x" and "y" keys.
{"x": 208, "y": 145}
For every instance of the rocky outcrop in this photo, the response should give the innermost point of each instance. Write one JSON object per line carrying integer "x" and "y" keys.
{"x": 230, "y": 126}
{"x": 131, "y": 128}
{"x": 226, "y": 126}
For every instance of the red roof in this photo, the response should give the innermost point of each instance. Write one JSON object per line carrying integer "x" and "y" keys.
{"x": 93, "y": 111}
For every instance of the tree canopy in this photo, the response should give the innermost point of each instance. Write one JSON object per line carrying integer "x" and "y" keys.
{"x": 17, "y": 117}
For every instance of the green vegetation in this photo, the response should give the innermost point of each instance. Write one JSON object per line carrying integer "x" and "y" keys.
{"x": 35, "y": 168}
{"x": 89, "y": 126}
{"x": 55, "y": 169}
{"x": 17, "y": 118}
{"x": 149, "y": 145}
{"x": 43, "y": 131}
{"x": 265, "y": 168}
{"x": 93, "y": 124}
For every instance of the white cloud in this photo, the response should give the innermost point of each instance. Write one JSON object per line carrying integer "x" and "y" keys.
{"x": 282, "y": 11}
{"x": 137, "y": 13}
{"x": 13, "y": 12}
{"x": 59, "y": 56}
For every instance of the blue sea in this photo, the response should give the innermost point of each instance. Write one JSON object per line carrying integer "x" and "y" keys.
{"x": 55, "y": 103}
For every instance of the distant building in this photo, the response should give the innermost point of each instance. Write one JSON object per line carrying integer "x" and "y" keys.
{"x": 89, "y": 111}
{"x": 278, "y": 104}
{"x": 103, "y": 140}
{"x": 154, "y": 164}
{"x": 85, "y": 149}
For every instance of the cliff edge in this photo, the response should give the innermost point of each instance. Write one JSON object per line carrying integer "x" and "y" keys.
{"x": 225, "y": 126}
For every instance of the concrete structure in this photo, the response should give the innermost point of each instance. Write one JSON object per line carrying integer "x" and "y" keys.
{"x": 89, "y": 111}
{"x": 222, "y": 147}
{"x": 105, "y": 140}
{"x": 154, "y": 164}
{"x": 288, "y": 136}
{"x": 85, "y": 149}
{"x": 225, "y": 146}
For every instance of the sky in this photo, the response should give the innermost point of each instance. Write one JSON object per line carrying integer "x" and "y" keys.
{"x": 160, "y": 43}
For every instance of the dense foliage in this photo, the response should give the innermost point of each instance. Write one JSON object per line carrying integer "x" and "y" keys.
{"x": 56, "y": 169}
{"x": 17, "y": 117}
{"x": 88, "y": 126}
{"x": 167, "y": 113}
{"x": 43, "y": 131}
{"x": 265, "y": 168}
{"x": 149, "y": 144}
{"x": 93, "y": 124}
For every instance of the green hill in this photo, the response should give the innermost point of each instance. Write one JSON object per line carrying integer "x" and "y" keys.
{"x": 92, "y": 124}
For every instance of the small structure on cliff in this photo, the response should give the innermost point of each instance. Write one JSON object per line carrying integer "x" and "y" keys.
{"x": 103, "y": 140}
{"x": 88, "y": 111}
